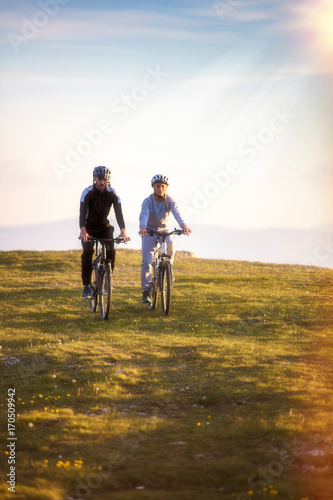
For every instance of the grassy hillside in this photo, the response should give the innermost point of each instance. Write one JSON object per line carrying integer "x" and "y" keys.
{"x": 230, "y": 397}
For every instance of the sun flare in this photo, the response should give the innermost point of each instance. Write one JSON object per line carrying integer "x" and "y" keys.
{"x": 324, "y": 27}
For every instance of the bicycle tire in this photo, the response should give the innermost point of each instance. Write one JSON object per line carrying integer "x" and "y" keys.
{"x": 165, "y": 287}
{"x": 92, "y": 301}
{"x": 153, "y": 288}
{"x": 105, "y": 291}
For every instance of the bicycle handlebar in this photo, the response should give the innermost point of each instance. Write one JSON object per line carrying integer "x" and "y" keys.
{"x": 103, "y": 240}
{"x": 151, "y": 232}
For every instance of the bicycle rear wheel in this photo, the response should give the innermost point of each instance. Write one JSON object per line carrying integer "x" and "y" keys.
{"x": 165, "y": 287}
{"x": 94, "y": 287}
{"x": 153, "y": 288}
{"x": 105, "y": 291}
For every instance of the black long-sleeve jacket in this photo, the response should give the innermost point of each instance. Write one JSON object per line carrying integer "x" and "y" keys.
{"x": 95, "y": 207}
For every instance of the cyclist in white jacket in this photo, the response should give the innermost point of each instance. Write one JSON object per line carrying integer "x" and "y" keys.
{"x": 155, "y": 211}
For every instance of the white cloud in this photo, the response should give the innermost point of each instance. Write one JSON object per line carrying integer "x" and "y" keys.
{"x": 187, "y": 128}
{"x": 92, "y": 25}
{"x": 40, "y": 78}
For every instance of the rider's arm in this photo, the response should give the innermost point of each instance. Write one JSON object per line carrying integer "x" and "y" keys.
{"x": 83, "y": 210}
{"x": 118, "y": 212}
{"x": 120, "y": 218}
{"x": 123, "y": 235}
{"x": 83, "y": 234}
{"x": 186, "y": 230}
{"x": 144, "y": 214}
{"x": 83, "y": 215}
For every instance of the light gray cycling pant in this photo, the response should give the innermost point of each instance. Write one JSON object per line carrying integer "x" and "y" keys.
{"x": 149, "y": 244}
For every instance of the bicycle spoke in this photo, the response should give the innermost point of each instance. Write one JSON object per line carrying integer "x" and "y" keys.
{"x": 94, "y": 286}
{"x": 105, "y": 292}
{"x": 165, "y": 287}
{"x": 153, "y": 288}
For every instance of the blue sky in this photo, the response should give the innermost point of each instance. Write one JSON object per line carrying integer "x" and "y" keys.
{"x": 232, "y": 100}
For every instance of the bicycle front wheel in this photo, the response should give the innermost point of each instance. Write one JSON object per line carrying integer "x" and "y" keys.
{"x": 153, "y": 288}
{"x": 94, "y": 287}
{"x": 165, "y": 287}
{"x": 105, "y": 291}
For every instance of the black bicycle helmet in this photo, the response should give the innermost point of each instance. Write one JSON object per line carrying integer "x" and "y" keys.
{"x": 160, "y": 178}
{"x": 102, "y": 172}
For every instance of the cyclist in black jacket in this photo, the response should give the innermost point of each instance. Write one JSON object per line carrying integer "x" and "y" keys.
{"x": 95, "y": 205}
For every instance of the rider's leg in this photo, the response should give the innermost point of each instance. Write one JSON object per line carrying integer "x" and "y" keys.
{"x": 171, "y": 250}
{"x": 86, "y": 262}
{"x": 109, "y": 246}
{"x": 148, "y": 247}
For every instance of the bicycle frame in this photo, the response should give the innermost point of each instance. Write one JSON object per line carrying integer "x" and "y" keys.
{"x": 161, "y": 276}
{"x": 160, "y": 254}
{"x": 100, "y": 250}
{"x": 100, "y": 253}
{"x": 102, "y": 285}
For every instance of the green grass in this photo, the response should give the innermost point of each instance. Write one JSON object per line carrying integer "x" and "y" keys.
{"x": 229, "y": 397}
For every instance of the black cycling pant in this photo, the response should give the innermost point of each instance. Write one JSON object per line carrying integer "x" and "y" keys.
{"x": 88, "y": 251}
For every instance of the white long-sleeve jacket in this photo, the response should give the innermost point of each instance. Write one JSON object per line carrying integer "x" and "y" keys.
{"x": 155, "y": 215}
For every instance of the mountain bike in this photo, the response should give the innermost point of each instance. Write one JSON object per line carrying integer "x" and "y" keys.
{"x": 162, "y": 274}
{"x": 101, "y": 278}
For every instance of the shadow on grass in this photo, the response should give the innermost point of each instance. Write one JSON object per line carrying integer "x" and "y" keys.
{"x": 173, "y": 426}
{"x": 180, "y": 405}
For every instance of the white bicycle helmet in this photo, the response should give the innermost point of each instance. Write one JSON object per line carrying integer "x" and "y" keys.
{"x": 102, "y": 172}
{"x": 160, "y": 178}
